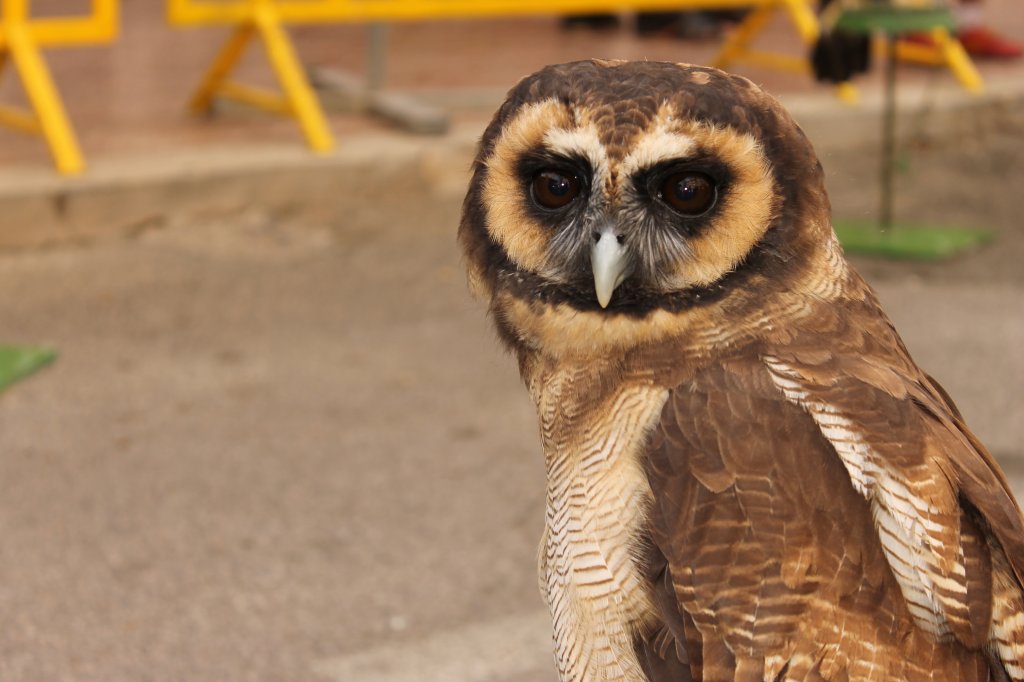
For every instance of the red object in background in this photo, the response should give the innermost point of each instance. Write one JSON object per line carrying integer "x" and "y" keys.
{"x": 980, "y": 41}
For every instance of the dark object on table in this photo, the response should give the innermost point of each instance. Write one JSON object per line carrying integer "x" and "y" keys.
{"x": 591, "y": 21}
{"x": 838, "y": 56}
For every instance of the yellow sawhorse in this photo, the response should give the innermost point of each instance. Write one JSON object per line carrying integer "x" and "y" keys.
{"x": 945, "y": 50}
{"x": 298, "y": 98}
{"x": 21, "y": 38}
{"x": 266, "y": 19}
{"x": 737, "y": 48}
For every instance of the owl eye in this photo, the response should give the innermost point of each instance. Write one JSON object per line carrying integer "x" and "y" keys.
{"x": 554, "y": 189}
{"x": 689, "y": 193}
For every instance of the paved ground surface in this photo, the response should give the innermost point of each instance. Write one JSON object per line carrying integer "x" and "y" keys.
{"x": 281, "y": 442}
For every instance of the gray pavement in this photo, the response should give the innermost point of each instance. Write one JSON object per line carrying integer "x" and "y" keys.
{"x": 264, "y": 446}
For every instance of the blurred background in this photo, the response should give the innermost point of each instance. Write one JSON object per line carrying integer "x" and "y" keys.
{"x": 279, "y": 440}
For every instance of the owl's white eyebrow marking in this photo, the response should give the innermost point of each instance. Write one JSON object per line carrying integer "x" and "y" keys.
{"x": 579, "y": 142}
{"x": 656, "y": 146}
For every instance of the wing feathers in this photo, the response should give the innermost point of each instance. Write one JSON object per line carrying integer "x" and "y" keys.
{"x": 1007, "y": 630}
{"x": 812, "y": 516}
{"x": 664, "y": 653}
{"x": 973, "y": 622}
{"x": 930, "y": 484}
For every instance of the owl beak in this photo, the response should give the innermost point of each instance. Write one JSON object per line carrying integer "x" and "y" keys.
{"x": 609, "y": 260}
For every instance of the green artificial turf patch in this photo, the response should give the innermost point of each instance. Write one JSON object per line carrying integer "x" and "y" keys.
{"x": 17, "y": 362}
{"x": 911, "y": 242}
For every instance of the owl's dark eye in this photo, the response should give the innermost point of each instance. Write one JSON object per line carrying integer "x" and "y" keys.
{"x": 689, "y": 193}
{"x": 554, "y": 188}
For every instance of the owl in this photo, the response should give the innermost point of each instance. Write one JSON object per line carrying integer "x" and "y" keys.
{"x": 748, "y": 477}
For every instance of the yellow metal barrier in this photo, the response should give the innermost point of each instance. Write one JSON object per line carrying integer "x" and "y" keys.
{"x": 21, "y": 38}
{"x": 944, "y": 50}
{"x": 265, "y": 18}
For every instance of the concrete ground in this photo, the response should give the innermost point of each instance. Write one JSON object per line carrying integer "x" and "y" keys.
{"x": 281, "y": 441}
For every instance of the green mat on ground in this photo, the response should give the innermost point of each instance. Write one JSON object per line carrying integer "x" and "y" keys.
{"x": 17, "y": 362}
{"x": 911, "y": 242}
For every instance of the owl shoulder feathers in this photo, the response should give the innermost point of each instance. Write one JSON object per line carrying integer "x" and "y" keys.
{"x": 820, "y": 472}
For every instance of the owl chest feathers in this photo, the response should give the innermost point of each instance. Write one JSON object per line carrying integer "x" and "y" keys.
{"x": 597, "y": 498}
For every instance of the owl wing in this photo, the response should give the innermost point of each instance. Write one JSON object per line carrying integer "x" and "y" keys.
{"x": 821, "y": 505}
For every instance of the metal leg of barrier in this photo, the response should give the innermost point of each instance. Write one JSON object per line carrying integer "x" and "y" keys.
{"x": 293, "y": 79}
{"x": 298, "y": 98}
{"x": 804, "y": 19}
{"x": 376, "y": 57}
{"x": 371, "y": 96}
{"x": 735, "y": 46}
{"x": 960, "y": 64}
{"x": 45, "y": 100}
{"x": 944, "y": 50}
{"x": 218, "y": 72}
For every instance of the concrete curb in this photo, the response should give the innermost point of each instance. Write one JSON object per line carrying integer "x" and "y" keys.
{"x": 118, "y": 197}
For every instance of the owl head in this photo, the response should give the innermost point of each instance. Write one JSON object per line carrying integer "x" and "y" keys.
{"x": 615, "y": 204}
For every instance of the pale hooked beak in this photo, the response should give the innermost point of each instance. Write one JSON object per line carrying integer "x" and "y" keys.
{"x": 609, "y": 260}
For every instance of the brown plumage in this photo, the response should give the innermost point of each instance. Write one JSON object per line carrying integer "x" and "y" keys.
{"x": 748, "y": 476}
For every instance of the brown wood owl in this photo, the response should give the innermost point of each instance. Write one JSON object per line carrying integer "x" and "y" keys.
{"x": 748, "y": 476}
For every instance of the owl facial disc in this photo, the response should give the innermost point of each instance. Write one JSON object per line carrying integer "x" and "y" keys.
{"x": 609, "y": 261}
